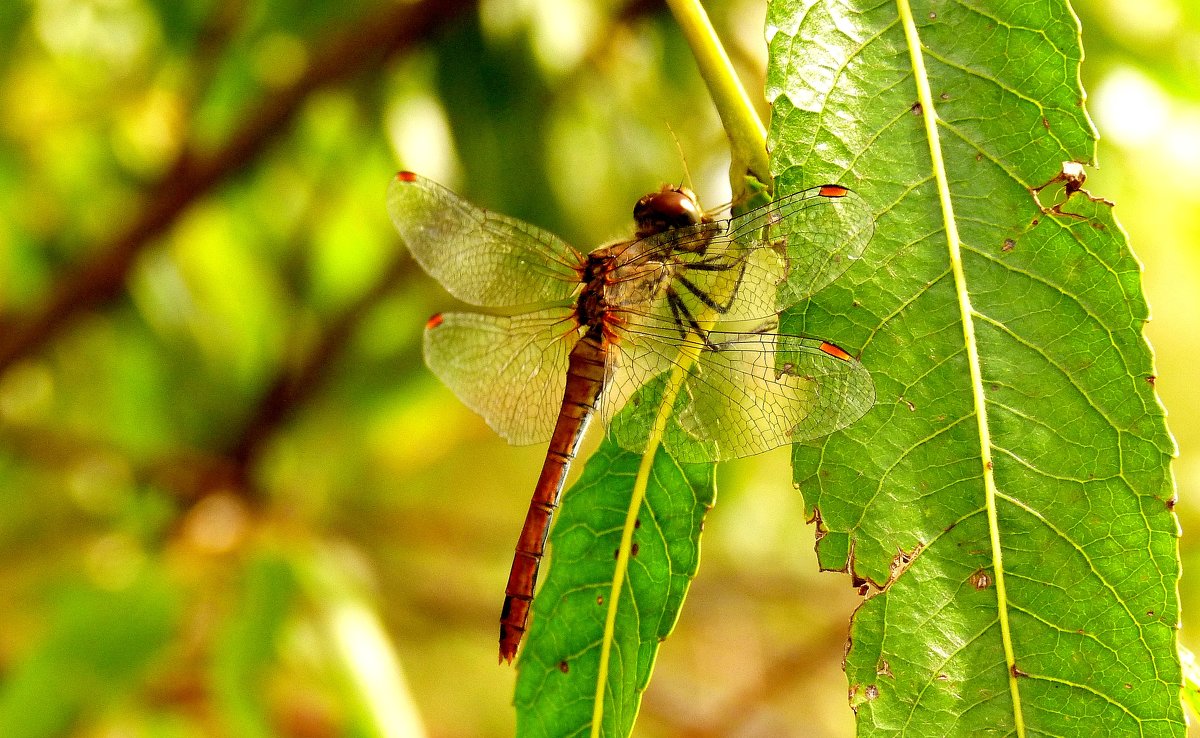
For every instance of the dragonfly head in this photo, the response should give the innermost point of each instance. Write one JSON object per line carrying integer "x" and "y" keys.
{"x": 669, "y": 208}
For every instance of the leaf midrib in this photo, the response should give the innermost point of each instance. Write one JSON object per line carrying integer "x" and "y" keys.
{"x": 966, "y": 314}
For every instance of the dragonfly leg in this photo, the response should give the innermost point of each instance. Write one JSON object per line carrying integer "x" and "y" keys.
{"x": 703, "y": 295}
{"x": 684, "y": 316}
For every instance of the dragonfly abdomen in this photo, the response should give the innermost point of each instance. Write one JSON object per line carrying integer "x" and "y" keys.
{"x": 585, "y": 381}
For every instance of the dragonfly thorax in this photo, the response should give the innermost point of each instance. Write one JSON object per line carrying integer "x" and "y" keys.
{"x": 590, "y": 306}
{"x": 671, "y": 207}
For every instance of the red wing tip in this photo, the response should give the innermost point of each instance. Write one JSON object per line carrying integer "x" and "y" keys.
{"x": 835, "y": 351}
{"x": 434, "y": 321}
{"x": 406, "y": 176}
{"x": 832, "y": 190}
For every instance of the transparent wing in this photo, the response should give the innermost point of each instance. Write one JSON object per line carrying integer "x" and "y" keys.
{"x": 480, "y": 257}
{"x": 747, "y": 393}
{"x": 763, "y": 261}
{"x": 815, "y": 234}
{"x": 510, "y": 370}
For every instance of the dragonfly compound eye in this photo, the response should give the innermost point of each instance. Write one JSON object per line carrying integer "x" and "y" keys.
{"x": 673, "y": 207}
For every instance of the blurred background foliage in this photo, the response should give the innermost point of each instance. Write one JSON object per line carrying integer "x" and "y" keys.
{"x": 233, "y": 502}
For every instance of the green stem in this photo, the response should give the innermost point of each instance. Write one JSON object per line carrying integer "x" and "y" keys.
{"x": 747, "y": 136}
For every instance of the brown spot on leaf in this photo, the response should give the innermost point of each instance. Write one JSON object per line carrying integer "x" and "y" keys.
{"x": 916, "y": 109}
{"x": 634, "y": 550}
{"x": 871, "y": 692}
{"x": 945, "y": 95}
{"x": 1009, "y": 245}
{"x": 564, "y": 667}
{"x": 884, "y": 669}
{"x": 1045, "y": 124}
{"x": 981, "y": 579}
{"x": 600, "y": 600}
{"x": 900, "y": 562}
{"x": 1017, "y": 672}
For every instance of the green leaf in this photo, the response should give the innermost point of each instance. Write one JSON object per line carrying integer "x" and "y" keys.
{"x": 560, "y": 664}
{"x": 1009, "y": 497}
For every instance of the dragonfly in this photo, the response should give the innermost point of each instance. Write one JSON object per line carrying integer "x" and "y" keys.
{"x": 575, "y": 335}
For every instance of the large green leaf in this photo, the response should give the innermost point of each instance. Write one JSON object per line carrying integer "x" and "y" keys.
{"x": 1009, "y": 497}
{"x": 560, "y": 667}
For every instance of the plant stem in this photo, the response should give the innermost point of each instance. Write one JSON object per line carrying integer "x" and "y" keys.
{"x": 747, "y": 136}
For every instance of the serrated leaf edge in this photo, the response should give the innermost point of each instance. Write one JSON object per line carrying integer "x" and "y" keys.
{"x": 967, "y": 314}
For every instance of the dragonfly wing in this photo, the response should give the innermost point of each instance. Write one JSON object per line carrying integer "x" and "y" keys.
{"x": 480, "y": 257}
{"x": 510, "y": 370}
{"x": 745, "y": 394}
{"x": 805, "y": 240}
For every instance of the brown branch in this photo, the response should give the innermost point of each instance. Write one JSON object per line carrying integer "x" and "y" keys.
{"x": 363, "y": 47}
{"x": 191, "y": 474}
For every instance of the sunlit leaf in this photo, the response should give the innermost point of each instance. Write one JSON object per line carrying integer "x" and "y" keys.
{"x": 1009, "y": 496}
{"x": 560, "y": 666}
